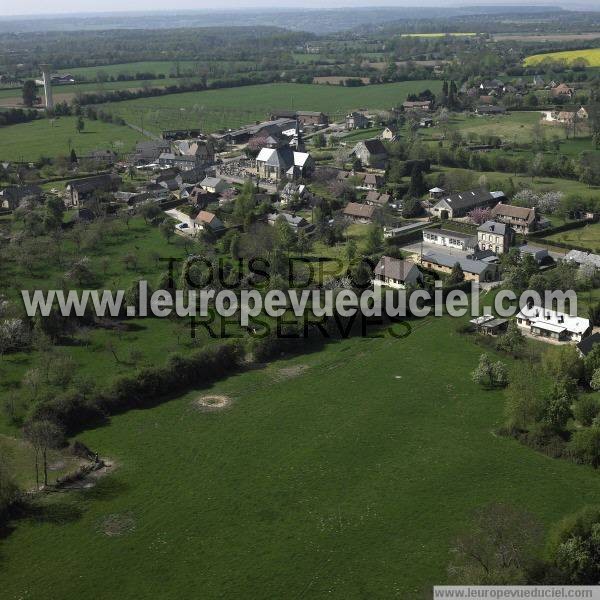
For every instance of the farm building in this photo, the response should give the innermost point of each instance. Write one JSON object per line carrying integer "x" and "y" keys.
{"x": 474, "y": 270}
{"x": 545, "y": 323}
{"x": 458, "y": 205}
{"x": 80, "y": 190}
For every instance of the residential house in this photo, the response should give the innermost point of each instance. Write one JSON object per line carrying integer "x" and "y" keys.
{"x": 356, "y": 120}
{"x": 370, "y": 181}
{"x": 458, "y": 205}
{"x": 450, "y": 239}
{"x": 474, "y": 270}
{"x": 494, "y": 236}
{"x": 562, "y": 90}
{"x": 396, "y": 273}
{"x": 371, "y": 153}
{"x": 374, "y": 198}
{"x": 360, "y": 213}
{"x": 80, "y": 190}
{"x": 522, "y": 220}
{"x": 291, "y": 191}
{"x": 214, "y": 185}
{"x": 545, "y": 323}
{"x": 209, "y": 222}
{"x": 12, "y": 196}
{"x": 277, "y": 163}
{"x": 390, "y": 134}
{"x": 295, "y": 222}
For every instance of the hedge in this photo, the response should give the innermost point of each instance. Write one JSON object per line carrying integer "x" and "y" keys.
{"x": 564, "y": 227}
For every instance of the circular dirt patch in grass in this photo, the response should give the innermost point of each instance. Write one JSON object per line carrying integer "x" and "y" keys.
{"x": 115, "y": 525}
{"x": 212, "y": 403}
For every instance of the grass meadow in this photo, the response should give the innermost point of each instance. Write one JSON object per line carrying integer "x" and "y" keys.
{"x": 344, "y": 473}
{"x": 212, "y": 110}
{"x": 55, "y": 137}
{"x": 588, "y": 237}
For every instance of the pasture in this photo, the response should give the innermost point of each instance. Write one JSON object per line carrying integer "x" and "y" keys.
{"x": 212, "y": 110}
{"x": 344, "y": 473}
{"x": 588, "y": 237}
{"x": 591, "y": 55}
{"x": 56, "y": 137}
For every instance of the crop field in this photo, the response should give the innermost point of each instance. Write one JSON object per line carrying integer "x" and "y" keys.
{"x": 227, "y": 108}
{"x": 438, "y": 35}
{"x": 55, "y": 137}
{"x": 591, "y": 55}
{"x": 343, "y": 473}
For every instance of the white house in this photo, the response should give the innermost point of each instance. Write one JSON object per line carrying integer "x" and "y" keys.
{"x": 396, "y": 273}
{"x": 214, "y": 185}
{"x": 551, "y": 324}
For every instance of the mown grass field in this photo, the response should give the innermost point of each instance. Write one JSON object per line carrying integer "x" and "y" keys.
{"x": 343, "y": 474}
{"x": 227, "y": 108}
{"x": 46, "y": 137}
{"x": 591, "y": 55}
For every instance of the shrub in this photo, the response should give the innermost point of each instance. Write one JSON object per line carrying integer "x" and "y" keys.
{"x": 585, "y": 410}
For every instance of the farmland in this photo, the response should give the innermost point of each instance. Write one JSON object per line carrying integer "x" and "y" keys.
{"x": 438, "y": 35}
{"x": 591, "y": 55}
{"x": 216, "y": 109}
{"x": 53, "y": 137}
{"x": 318, "y": 458}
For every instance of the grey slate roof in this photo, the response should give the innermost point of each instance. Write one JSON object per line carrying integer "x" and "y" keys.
{"x": 448, "y": 260}
{"x": 394, "y": 268}
{"x": 469, "y": 199}
{"x": 493, "y": 227}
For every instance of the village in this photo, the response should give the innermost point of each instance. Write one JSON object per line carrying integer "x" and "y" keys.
{"x": 182, "y": 193}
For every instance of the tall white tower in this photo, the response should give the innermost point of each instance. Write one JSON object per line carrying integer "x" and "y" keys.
{"x": 47, "y": 79}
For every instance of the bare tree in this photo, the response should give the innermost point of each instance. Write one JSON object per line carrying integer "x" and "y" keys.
{"x": 43, "y": 436}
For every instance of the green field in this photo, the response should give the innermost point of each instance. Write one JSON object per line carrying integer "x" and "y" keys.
{"x": 45, "y": 137}
{"x": 341, "y": 474}
{"x": 591, "y": 55}
{"x": 588, "y": 237}
{"x": 217, "y": 109}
